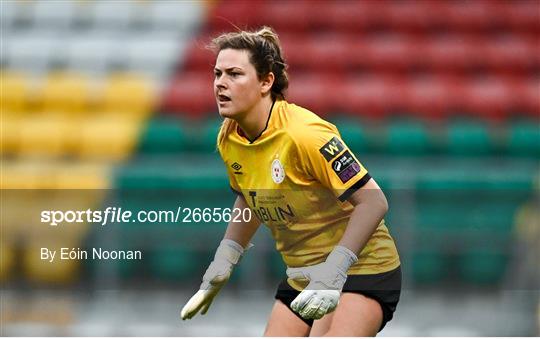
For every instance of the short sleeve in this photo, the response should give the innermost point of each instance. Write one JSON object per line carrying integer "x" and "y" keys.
{"x": 327, "y": 158}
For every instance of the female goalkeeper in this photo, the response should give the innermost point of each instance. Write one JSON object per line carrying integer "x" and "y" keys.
{"x": 324, "y": 210}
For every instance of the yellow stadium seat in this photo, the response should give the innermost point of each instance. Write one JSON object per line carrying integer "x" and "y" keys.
{"x": 43, "y": 271}
{"x": 21, "y": 175}
{"x": 9, "y": 134}
{"x": 16, "y": 91}
{"x": 111, "y": 138}
{"x": 128, "y": 94}
{"x": 66, "y": 93}
{"x": 44, "y": 136}
{"x": 83, "y": 176}
{"x": 7, "y": 260}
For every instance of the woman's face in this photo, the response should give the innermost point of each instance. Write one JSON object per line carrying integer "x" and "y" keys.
{"x": 236, "y": 85}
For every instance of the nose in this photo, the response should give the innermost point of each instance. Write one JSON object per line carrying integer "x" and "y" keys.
{"x": 219, "y": 83}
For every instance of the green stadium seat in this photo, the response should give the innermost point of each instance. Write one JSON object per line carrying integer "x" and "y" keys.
{"x": 163, "y": 135}
{"x": 407, "y": 138}
{"x": 207, "y": 135}
{"x": 173, "y": 263}
{"x": 429, "y": 266}
{"x": 353, "y": 134}
{"x": 468, "y": 138}
{"x": 277, "y": 267}
{"x": 524, "y": 139}
{"x": 483, "y": 266}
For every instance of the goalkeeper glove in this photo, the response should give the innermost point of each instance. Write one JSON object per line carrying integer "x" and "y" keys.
{"x": 227, "y": 255}
{"x": 326, "y": 280}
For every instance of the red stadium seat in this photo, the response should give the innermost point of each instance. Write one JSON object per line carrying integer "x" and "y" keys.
{"x": 407, "y": 15}
{"x": 431, "y": 96}
{"x": 529, "y": 97}
{"x": 467, "y": 15}
{"x": 318, "y": 93}
{"x": 286, "y": 16}
{"x": 198, "y": 57}
{"x": 294, "y": 48}
{"x": 190, "y": 94}
{"x": 348, "y": 16}
{"x": 490, "y": 97}
{"x": 329, "y": 52}
{"x": 227, "y": 15}
{"x": 452, "y": 52}
{"x": 511, "y": 53}
{"x": 386, "y": 51}
{"x": 372, "y": 95}
{"x": 520, "y": 15}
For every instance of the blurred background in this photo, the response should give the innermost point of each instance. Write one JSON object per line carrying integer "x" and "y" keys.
{"x": 109, "y": 103}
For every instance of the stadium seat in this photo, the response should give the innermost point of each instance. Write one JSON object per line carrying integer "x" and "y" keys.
{"x": 520, "y": 15}
{"x": 492, "y": 98}
{"x": 94, "y": 53}
{"x": 431, "y": 97}
{"x": 179, "y": 16}
{"x": 198, "y": 57}
{"x": 44, "y": 136}
{"x": 154, "y": 55}
{"x": 387, "y": 51}
{"x": 353, "y": 134}
{"x": 528, "y": 97}
{"x": 16, "y": 92}
{"x": 371, "y": 95}
{"x": 483, "y": 266}
{"x": 241, "y": 13}
{"x": 468, "y": 138}
{"x": 190, "y": 94}
{"x": 511, "y": 52}
{"x": 58, "y": 272}
{"x": 407, "y": 138}
{"x": 116, "y": 15}
{"x": 174, "y": 263}
{"x": 408, "y": 16}
{"x": 65, "y": 93}
{"x": 429, "y": 266}
{"x": 524, "y": 138}
{"x": 163, "y": 135}
{"x": 129, "y": 94}
{"x": 55, "y": 14}
{"x": 33, "y": 52}
{"x": 314, "y": 92}
{"x": 108, "y": 138}
{"x": 451, "y": 52}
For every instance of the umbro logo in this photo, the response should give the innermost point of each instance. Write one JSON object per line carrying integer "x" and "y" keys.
{"x": 236, "y": 167}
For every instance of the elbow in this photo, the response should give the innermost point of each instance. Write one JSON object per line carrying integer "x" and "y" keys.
{"x": 382, "y": 203}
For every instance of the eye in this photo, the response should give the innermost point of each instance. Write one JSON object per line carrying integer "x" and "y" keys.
{"x": 234, "y": 74}
{"x": 217, "y": 74}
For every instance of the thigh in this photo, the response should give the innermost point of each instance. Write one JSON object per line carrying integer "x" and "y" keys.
{"x": 356, "y": 315}
{"x": 284, "y": 323}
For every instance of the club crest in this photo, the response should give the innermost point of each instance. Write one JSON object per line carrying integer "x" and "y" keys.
{"x": 277, "y": 171}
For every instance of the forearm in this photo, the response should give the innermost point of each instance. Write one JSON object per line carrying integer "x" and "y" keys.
{"x": 370, "y": 208}
{"x": 242, "y": 231}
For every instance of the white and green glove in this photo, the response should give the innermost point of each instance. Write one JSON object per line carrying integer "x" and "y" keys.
{"x": 227, "y": 255}
{"x": 326, "y": 280}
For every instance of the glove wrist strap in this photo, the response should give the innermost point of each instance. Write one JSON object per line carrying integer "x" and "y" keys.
{"x": 230, "y": 251}
{"x": 342, "y": 258}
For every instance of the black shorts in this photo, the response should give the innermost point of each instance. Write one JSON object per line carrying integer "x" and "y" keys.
{"x": 385, "y": 288}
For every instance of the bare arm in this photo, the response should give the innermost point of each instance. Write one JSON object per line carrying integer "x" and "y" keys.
{"x": 242, "y": 231}
{"x": 370, "y": 206}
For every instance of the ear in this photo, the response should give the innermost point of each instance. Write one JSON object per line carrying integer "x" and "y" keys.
{"x": 266, "y": 83}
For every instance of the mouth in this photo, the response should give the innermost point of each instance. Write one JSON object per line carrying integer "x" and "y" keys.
{"x": 221, "y": 98}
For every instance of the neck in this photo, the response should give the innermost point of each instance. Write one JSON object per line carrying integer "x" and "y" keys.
{"x": 254, "y": 122}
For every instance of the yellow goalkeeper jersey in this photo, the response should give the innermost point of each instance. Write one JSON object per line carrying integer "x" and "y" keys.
{"x": 296, "y": 178}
